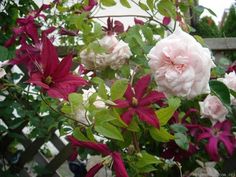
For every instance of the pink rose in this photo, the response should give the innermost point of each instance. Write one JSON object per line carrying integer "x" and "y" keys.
{"x": 230, "y": 81}
{"x": 115, "y": 55}
{"x": 180, "y": 65}
{"x": 213, "y": 108}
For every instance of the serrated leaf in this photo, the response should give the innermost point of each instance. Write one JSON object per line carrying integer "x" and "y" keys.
{"x": 118, "y": 89}
{"x": 108, "y": 3}
{"x": 167, "y": 8}
{"x": 160, "y": 135}
{"x": 109, "y": 131}
{"x": 221, "y": 91}
{"x": 148, "y": 34}
{"x": 182, "y": 141}
{"x": 125, "y": 3}
{"x": 146, "y": 159}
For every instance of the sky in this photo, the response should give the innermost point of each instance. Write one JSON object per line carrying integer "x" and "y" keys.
{"x": 218, "y": 6}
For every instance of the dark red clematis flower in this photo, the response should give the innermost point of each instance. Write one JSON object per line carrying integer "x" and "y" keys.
{"x": 138, "y": 102}
{"x": 113, "y": 27}
{"x": 91, "y": 5}
{"x": 54, "y": 76}
{"x": 27, "y": 26}
{"x": 220, "y": 132}
{"x": 118, "y": 164}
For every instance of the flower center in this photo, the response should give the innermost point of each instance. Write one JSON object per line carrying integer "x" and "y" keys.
{"x": 215, "y": 132}
{"x": 48, "y": 80}
{"x": 134, "y": 101}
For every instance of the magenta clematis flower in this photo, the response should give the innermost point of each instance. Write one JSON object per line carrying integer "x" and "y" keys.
{"x": 220, "y": 132}
{"x": 54, "y": 76}
{"x": 138, "y": 102}
{"x": 118, "y": 164}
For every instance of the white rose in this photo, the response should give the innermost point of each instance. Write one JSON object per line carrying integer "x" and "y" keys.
{"x": 117, "y": 52}
{"x": 181, "y": 66}
{"x": 213, "y": 108}
{"x": 230, "y": 81}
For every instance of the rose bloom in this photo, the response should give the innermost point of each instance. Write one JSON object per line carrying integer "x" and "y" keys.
{"x": 117, "y": 52}
{"x": 213, "y": 108}
{"x": 181, "y": 66}
{"x": 230, "y": 81}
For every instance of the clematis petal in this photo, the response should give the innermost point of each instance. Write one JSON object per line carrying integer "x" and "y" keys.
{"x": 36, "y": 78}
{"x": 141, "y": 86}
{"x": 128, "y": 115}
{"x": 63, "y": 68}
{"x": 148, "y": 115}
{"x": 129, "y": 94}
{"x": 212, "y": 149}
{"x": 228, "y": 144}
{"x": 121, "y": 103}
{"x": 152, "y": 97}
{"x": 49, "y": 58}
{"x": 203, "y": 136}
{"x": 118, "y": 165}
{"x": 99, "y": 147}
{"x": 92, "y": 172}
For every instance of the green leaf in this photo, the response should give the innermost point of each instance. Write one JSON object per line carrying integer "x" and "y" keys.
{"x": 108, "y": 3}
{"x": 174, "y": 102}
{"x": 103, "y": 116}
{"x": 2, "y": 128}
{"x": 109, "y": 131}
{"x": 102, "y": 92}
{"x": 198, "y": 9}
{"x": 75, "y": 99}
{"x": 79, "y": 135}
{"x": 147, "y": 32}
{"x": 3, "y": 53}
{"x": 199, "y": 39}
{"x": 125, "y": 3}
{"x": 211, "y": 12}
{"x": 146, "y": 159}
{"x": 93, "y": 98}
{"x": 178, "y": 128}
{"x": 182, "y": 141}
{"x": 164, "y": 114}
{"x": 232, "y": 92}
{"x": 118, "y": 89}
{"x": 167, "y": 8}
{"x": 143, "y": 6}
{"x": 150, "y": 4}
{"x": 221, "y": 91}
{"x": 160, "y": 135}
